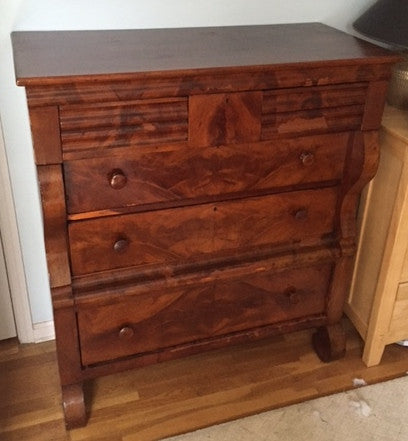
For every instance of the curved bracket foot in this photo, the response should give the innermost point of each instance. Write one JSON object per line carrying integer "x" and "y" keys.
{"x": 329, "y": 342}
{"x": 74, "y": 405}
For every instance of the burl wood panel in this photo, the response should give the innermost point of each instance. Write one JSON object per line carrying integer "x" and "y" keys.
{"x": 313, "y": 110}
{"x": 123, "y": 124}
{"x": 197, "y": 232}
{"x": 158, "y": 319}
{"x": 311, "y": 98}
{"x": 312, "y": 121}
{"x": 217, "y": 119}
{"x": 88, "y": 289}
{"x": 187, "y": 174}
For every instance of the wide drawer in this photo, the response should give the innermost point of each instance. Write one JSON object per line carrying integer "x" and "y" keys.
{"x": 200, "y": 232}
{"x": 154, "y": 177}
{"x": 156, "y": 319}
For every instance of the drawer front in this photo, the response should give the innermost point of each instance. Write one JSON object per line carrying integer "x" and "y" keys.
{"x": 313, "y": 110}
{"x": 187, "y": 174}
{"x": 219, "y": 119}
{"x": 224, "y": 118}
{"x": 148, "y": 322}
{"x": 201, "y": 232}
{"x": 121, "y": 124}
{"x": 312, "y": 98}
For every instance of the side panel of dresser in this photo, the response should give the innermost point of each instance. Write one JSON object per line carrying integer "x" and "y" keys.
{"x": 373, "y": 305}
{"x": 48, "y": 157}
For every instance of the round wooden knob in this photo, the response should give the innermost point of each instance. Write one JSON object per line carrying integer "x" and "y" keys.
{"x": 120, "y": 245}
{"x": 301, "y": 214}
{"x": 292, "y": 295}
{"x": 307, "y": 158}
{"x": 117, "y": 179}
{"x": 294, "y": 298}
{"x": 126, "y": 332}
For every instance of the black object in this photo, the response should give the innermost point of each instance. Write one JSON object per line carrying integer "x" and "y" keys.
{"x": 386, "y": 21}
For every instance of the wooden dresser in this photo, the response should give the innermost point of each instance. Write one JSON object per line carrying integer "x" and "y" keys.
{"x": 378, "y": 302}
{"x": 199, "y": 186}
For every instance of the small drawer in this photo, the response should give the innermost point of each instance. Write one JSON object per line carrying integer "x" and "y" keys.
{"x": 313, "y": 110}
{"x": 155, "y": 319}
{"x": 144, "y": 178}
{"x": 123, "y": 124}
{"x": 203, "y": 231}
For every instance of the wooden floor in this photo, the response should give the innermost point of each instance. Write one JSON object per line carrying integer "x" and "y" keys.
{"x": 177, "y": 396}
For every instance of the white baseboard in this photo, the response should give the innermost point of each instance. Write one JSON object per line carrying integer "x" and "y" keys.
{"x": 43, "y": 331}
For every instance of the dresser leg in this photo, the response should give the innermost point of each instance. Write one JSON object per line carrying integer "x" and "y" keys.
{"x": 329, "y": 342}
{"x": 73, "y": 405}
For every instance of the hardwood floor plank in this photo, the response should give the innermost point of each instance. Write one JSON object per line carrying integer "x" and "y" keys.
{"x": 181, "y": 395}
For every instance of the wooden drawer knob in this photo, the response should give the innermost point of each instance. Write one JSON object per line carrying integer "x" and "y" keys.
{"x": 301, "y": 214}
{"x": 307, "y": 158}
{"x": 121, "y": 245}
{"x": 117, "y": 179}
{"x": 126, "y": 332}
{"x": 293, "y": 295}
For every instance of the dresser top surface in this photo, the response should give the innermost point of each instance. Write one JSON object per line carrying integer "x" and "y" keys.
{"x": 47, "y": 57}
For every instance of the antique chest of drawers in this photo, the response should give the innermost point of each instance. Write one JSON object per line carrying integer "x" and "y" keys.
{"x": 199, "y": 186}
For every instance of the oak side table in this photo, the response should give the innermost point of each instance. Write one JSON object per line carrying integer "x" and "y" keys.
{"x": 378, "y": 303}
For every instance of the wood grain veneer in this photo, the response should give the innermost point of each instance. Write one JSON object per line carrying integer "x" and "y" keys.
{"x": 191, "y": 174}
{"x": 202, "y": 231}
{"x": 177, "y": 316}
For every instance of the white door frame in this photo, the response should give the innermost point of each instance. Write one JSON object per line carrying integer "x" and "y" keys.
{"x": 12, "y": 253}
